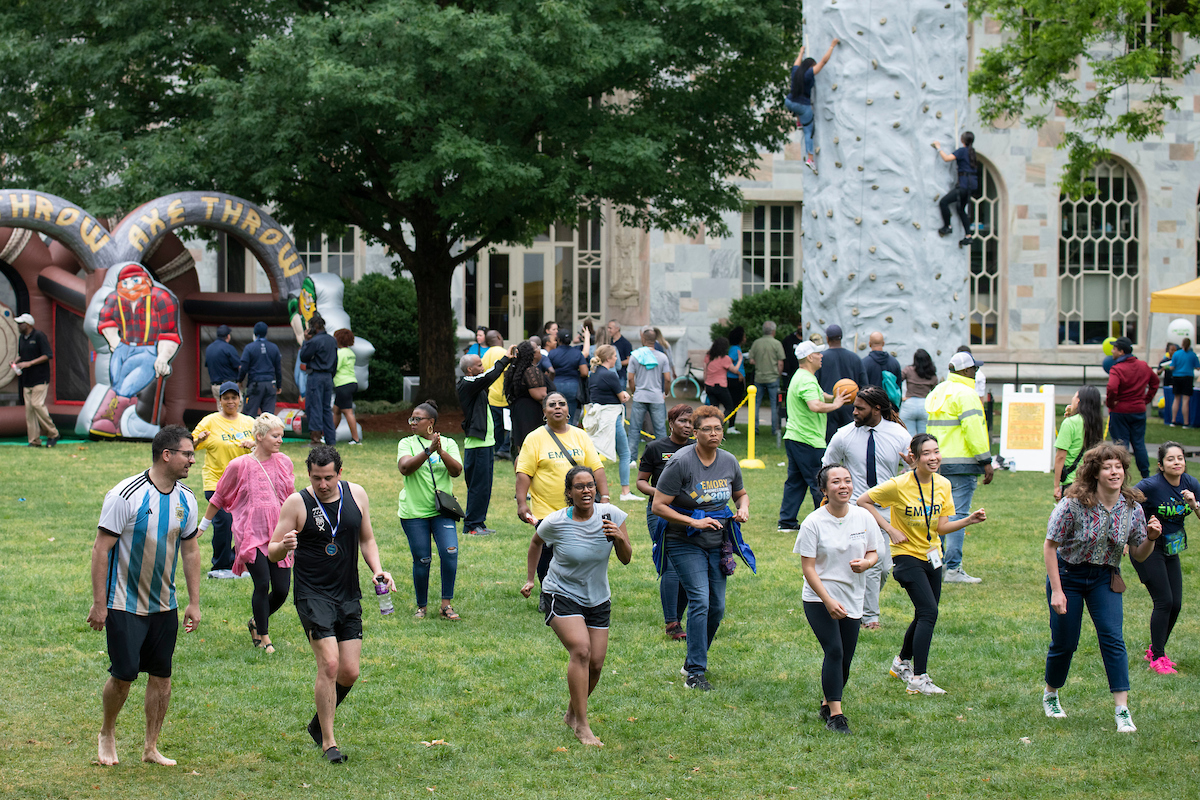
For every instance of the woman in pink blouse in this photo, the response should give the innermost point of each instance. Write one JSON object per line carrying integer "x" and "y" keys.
{"x": 717, "y": 366}
{"x": 1085, "y": 537}
{"x": 253, "y": 489}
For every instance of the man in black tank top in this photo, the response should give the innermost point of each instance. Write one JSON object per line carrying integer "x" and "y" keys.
{"x": 326, "y": 525}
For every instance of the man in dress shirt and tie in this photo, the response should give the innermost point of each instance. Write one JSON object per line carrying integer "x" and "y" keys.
{"x": 872, "y": 448}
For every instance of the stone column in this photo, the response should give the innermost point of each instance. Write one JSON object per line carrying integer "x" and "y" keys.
{"x": 872, "y": 257}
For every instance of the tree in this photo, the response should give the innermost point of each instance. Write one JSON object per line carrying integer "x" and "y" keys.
{"x": 1056, "y": 52}
{"x": 440, "y": 128}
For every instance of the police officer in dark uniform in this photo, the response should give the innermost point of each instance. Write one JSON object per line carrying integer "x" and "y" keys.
{"x": 262, "y": 367}
{"x": 221, "y": 358}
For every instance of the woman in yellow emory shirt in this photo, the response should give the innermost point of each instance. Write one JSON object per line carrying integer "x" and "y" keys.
{"x": 223, "y": 436}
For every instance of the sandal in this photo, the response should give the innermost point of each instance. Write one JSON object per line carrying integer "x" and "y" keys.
{"x": 449, "y": 613}
{"x": 254, "y": 637}
{"x": 420, "y": 614}
{"x": 270, "y": 648}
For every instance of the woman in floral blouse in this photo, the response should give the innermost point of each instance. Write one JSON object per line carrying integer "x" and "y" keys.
{"x": 1085, "y": 537}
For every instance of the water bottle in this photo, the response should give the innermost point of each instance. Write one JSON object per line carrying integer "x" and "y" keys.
{"x": 385, "y": 599}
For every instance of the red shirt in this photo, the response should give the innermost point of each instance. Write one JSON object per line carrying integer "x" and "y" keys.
{"x": 144, "y": 321}
{"x": 1131, "y": 386}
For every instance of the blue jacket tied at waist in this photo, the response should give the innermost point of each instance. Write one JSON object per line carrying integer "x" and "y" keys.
{"x": 733, "y": 527}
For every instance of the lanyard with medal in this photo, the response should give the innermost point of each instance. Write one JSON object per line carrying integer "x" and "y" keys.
{"x": 331, "y": 549}
{"x": 935, "y": 557}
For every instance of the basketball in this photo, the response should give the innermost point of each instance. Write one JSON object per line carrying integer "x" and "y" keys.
{"x": 846, "y": 385}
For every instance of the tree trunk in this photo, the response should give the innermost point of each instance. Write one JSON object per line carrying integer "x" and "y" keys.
{"x": 432, "y": 273}
{"x": 873, "y": 260}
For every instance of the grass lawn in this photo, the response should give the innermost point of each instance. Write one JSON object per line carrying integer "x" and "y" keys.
{"x": 493, "y": 686}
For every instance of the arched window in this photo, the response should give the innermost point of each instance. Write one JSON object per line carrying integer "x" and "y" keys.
{"x": 985, "y": 261}
{"x": 1098, "y": 249}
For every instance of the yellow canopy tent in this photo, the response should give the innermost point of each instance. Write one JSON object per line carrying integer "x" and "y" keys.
{"x": 1181, "y": 299}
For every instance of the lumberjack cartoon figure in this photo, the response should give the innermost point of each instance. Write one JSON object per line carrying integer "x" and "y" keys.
{"x": 140, "y": 322}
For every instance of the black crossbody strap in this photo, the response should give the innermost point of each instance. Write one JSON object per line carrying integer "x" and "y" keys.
{"x": 566, "y": 453}
{"x": 1068, "y": 470}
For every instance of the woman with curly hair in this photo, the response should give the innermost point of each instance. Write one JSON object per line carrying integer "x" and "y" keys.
{"x": 1085, "y": 538}
{"x": 524, "y": 388}
{"x": 345, "y": 383}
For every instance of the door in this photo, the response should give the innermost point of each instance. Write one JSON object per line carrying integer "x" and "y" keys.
{"x": 517, "y": 296}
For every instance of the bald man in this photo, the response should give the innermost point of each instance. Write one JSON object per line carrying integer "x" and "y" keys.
{"x": 878, "y": 360}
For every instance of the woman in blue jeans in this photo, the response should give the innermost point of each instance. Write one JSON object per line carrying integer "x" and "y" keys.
{"x": 800, "y": 96}
{"x": 696, "y": 486}
{"x": 1085, "y": 537}
{"x": 429, "y": 462}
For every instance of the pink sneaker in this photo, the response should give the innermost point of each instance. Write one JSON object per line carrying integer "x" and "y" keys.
{"x": 1148, "y": 656}
{"x": 1169, "y": 661}
{"x": 1162, "y": 667}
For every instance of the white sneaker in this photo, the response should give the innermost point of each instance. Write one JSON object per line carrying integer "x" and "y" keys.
{"x": 957, "y": 575}
{"x": 631, "y": 498}
{"x": 901, "y": 669}
{"x": 920, "y": 684}
{"x": 732, "y": 431}
{"x": 1052, "y": 707}
{"x": 787, "y": 530}
{"x": 222, "y": 573}
{"x": 1124, "y": 721}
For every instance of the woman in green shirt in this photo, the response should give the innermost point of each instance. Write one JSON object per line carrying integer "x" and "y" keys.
{"x": 423, "y": 459}
{"x": 345, "y": 383}
{"x": 1082, "y": 429}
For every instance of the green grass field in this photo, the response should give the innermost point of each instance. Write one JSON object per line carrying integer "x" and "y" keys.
{"x": 493, "y": 686}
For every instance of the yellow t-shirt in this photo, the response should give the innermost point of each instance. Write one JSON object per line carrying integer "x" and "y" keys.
{"x": 496, "y": 392}
{"x": 909, "y": 514}
{"x": 223, "y": 444}
{"x": 543, "y": 461}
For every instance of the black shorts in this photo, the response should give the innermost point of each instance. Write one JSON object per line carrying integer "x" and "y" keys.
{"x": 138, "y": 643}
{"x": 558, "y": 605}
{"x": 343, "y": 396}
{"x": 323, "y": 618}
{"x": 1182, "y": 387}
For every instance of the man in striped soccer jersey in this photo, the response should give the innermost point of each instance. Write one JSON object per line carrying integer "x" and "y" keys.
{"x": 146, "y": 520}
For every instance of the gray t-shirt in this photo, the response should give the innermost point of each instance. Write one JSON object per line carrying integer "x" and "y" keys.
{"x": 648, "y": 381}
{"x": 834, "y": 543}
{"x": 693, "y": 485}
{"x": 579, "y": 569}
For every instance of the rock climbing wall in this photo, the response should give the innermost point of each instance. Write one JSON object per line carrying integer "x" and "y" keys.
{"x": 872, "y": 257}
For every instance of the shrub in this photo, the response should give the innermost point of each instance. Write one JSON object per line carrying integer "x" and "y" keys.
{"x": 383, "y": 310}
{"x": 779, "y": 305}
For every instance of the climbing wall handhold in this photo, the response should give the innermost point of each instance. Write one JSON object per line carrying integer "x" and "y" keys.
{"x": 895, "y": 124}
{"x": 837, "y": 164}
{"x": 834, "y": 259}
{"x": 854, "y": 312}
{"x": 899, "y": 285}
{"x": 860, "y": 169}
{"x": 870, "y": 101}
{"x": 937, "y": 277}
{"x": 897, "y": 95}
{"x": 935, "y": 325}
{"x": 883, "y": 21}
{"x": 887, "y": 319}
{"x": 829, "y": 212}
{"x": 825, "y": 272}
{"x": 872, "y": 249}
{"x": 885, "y": 222}
{"x": 872, "y": 275}
{"x": 874, "y": 64}
{"x": 917, "y": 225}
{"x": 835, "y": 140}
{"x": 874, "y": 186}
{"x": 820, "y": 245}
{"x": 850, "y": 276}
{"x": 939, "y": 115}
{"x": 905, "y": 191}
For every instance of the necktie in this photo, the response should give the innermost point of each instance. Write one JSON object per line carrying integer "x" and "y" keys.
{"x": 872, "y": 478}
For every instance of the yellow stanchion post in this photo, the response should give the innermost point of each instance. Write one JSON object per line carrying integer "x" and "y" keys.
{"x": 750, "y": 462}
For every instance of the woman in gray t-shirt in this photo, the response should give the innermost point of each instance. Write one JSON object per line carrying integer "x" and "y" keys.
{"x": 575, "y": 593}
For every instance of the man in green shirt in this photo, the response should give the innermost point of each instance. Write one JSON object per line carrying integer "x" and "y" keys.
{"x": 804, "y": 438}
{"x": 766, "y": 354}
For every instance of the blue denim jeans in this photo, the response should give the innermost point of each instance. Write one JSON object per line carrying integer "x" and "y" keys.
{"x": 1087, "y": 584}
{"x": 804, "y": 113}
{"x": 477, "y": 468}
{"x": 1130, "y": 429}
{"x": 318, "y": 399}
{"x": 621, "y": 442}
{"x": 131, "y": 368}
{"x": 222, "y": 538}
{"x": 913, "y": 415}
{"x": 804, "y": 462}
{"x": 670, "y": 591}
{"x": 962, "y": 489}
{"x": 700, "y": 573}
{"x": 637, "y": 419}
{"x": 443, "y": 532}
{"x": 771, "y": 392}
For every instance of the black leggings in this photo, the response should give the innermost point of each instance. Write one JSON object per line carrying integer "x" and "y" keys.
{"x": 271, "y": 584}
{"x": 838, "y": 638}
{"x": 924, "y": 586}
{"x": 962, "y": 196}
{"x": 1163, "y": 578}
{"x": 720, "y": 394}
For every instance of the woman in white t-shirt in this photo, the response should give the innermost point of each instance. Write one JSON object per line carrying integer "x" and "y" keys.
{"x": 575, "y": 594}
{"x": 837, "y": 543}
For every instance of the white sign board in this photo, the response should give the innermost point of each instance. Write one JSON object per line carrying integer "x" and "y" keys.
{"x": 1027, "y": 427}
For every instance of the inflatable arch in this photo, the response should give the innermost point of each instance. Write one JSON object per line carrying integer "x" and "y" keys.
{"x": 124, "y": 312}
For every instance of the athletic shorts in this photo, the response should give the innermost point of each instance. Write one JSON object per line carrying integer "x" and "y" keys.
{"x": 558, "y": 605}
{"x": 323, "y": 618}
{"x": 141, "y": 643}
{"x": 343, "y": 396}
{"x": 1182, "y": 387}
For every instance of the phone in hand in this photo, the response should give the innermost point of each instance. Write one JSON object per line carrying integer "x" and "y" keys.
{"x": 606, "y": 518}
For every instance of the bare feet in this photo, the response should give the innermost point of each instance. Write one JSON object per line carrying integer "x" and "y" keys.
{"x": 108, "y": 750}
{"x": 152, "y": 756}
{"x": 584, "y": 734}
{"x": 569, "y": 718}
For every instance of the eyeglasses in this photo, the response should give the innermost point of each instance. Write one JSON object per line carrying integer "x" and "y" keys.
{"x": 580, "y": 486}
{"x": 711, "y": 429}
{"x": 190, "y": 455}
{"x": 557, "y": 404}
{"x": 417, "y": 420}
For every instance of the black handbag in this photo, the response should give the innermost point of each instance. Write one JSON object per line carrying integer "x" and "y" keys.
{"x": 446, "y": 503}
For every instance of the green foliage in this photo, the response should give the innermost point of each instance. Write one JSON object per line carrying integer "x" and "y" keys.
{"x": 383, "y": 311}
{"x": 782, "y": 306}
{"x": 1092, "y": 61}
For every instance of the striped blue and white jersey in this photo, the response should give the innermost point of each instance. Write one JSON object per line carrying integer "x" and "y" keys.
{"x": 149, "y": 526}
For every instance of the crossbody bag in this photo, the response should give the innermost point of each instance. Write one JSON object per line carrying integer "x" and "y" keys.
{"x": 446, "y": 503}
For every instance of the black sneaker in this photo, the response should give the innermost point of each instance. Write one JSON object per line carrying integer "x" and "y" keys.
{"x": 946, "y": 231}
{"x": 53, "y": 440}
{"x": 335, "y": 756}
{"x": 838, "y": 724}
{"x": 823, "y": 713}
{"x": 698, "y": 682}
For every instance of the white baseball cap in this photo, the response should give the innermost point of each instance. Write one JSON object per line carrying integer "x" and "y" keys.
{"x": 806, "y": 349}
{"x": 26, "y": 318}
{"x": 961, "y": 361}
